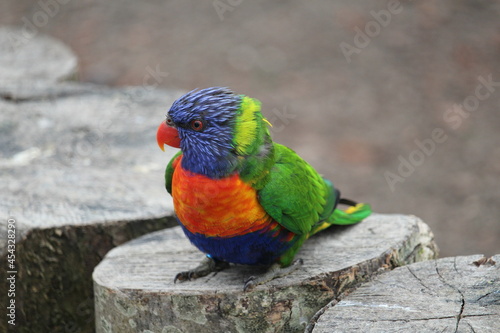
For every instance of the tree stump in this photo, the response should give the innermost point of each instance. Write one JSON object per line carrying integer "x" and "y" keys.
{"x": 80, "y": 172}
{"x": 458, "y": 294}
{"x": 28, "y": 56}
{"x": 135, "y": 291}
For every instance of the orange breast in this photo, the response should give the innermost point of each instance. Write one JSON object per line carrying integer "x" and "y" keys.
{"x": 216, "y": 207}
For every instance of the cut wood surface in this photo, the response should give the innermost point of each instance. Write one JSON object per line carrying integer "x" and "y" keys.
{"x": 82, "y": 158}
{"x": 135, "y": 291}
{"x": 445, "y": 295}
{"x": 81, "y": 173}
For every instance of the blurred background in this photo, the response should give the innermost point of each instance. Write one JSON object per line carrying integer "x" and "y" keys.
{"x": 396, "y": 102}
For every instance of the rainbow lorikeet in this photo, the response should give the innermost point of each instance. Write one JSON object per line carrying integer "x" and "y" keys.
{"x": 239, "y": 197}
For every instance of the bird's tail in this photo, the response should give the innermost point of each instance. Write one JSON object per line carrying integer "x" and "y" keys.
{"x": 352, "y": 215}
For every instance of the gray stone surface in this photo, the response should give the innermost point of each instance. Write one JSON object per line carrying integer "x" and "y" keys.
{"x": 445, "y": 295}
{"x": 135, "y": 291}
{"x": 27, "y": 55}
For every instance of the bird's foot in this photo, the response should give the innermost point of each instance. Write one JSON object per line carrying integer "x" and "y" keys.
{"x": 206, "y": 266}
{"x": 274, "y": 272}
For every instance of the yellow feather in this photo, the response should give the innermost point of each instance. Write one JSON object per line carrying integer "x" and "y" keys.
{"x": 322, "y": 226}
{"x": 353, "y": 209}
{"x": 246, "y": 125}
{"x": 267, "y": 122}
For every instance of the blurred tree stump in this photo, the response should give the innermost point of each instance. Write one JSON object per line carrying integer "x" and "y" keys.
{"x": 28, "y": 56}
{"x": 80, "y": 172}
{"x": 135, "y": 291}
{"x": 458, "y": 294}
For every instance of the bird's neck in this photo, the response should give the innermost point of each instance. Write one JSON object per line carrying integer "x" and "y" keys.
{"x": 215, "y": 162}
{"x": 211, "y": 164}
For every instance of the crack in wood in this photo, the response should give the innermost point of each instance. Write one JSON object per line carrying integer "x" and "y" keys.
{"x": 486, "y": 295}
{"x": 418, "y": 319}
{"x": 462, "y": 298}
{"x": 317, "y": 315}
{"x": 472, "y": 328}
{"x": 480, "y": 315}
{"x": 459, "y": 316}
{"x": 418, "y": 279}
{"x": 8, "y": 97}
{"x": 447, "y": 295}
{"x": 398, "y": 319}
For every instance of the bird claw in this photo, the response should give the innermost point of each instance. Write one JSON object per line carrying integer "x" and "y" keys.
{"x": 185, "y": 276}
{"x": 249, "y": 283}
{"x": 207, "y": 266}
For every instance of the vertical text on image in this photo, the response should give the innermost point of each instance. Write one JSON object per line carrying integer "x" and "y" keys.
{"x": 11, "y": 271}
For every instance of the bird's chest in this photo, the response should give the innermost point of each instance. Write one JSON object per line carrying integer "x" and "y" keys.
{"x": 216, "y": 207}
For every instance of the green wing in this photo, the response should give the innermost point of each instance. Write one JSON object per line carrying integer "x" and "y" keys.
{"x": 296, "y": 196}
{"x": 169, "y": 171}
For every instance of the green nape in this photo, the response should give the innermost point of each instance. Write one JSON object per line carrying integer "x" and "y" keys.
{"x": 252, "y": 143}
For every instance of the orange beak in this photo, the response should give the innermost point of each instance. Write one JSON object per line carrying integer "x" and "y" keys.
{"x": 167, "y": 135}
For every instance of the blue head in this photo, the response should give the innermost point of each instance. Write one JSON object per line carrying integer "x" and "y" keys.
{"x": 204, "y": 120}
{"x": 218, "y": 131}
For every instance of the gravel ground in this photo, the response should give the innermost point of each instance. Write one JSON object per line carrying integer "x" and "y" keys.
{"x": 396, "y": 102}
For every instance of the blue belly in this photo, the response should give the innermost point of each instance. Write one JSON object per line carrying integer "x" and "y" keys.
{"x": 262, "y": 247}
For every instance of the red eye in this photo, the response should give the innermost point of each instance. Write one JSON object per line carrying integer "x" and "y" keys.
{"x": 197, "y": 125}
{"x": 169, "y": 121}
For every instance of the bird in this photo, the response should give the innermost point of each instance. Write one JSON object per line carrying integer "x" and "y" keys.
{"x": 239, "y": 197}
